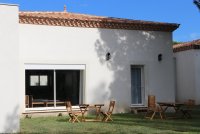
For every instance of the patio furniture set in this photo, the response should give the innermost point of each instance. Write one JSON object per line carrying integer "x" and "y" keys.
{"x": 160, "y": 108}
{"x": 80, "y": 114}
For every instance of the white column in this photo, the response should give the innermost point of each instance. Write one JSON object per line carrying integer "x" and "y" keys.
{"x": 9, "y": 62}
{"x": 54, "y": 88}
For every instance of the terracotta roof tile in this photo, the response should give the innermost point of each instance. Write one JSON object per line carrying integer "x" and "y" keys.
{"x": 90, "y": 21}
{"x": 195, "y": 44}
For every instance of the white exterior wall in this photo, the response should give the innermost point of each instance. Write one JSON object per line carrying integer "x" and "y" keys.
{"x": 188, "y": 75}
{"x": 9, "y": 63}
{"x": 197, "y": 75}
{"x": 104, "y": 80}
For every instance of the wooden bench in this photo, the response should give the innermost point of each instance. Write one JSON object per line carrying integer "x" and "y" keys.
{"x": 135, "y": 109}
{"x": 47, "y": 103}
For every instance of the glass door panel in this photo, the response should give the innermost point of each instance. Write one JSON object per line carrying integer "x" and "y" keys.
{"x": 136, "y": 85}
{"x": 39, "y": 88}
{"x": 67, "y": 86}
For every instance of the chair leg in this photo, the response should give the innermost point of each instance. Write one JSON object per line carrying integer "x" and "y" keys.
{"x": 70, "y": 118}
{"x": 104, "y": 117}
{"x": 146, "y": 115}
{"x": 184, "y": 114}
{"x": 108, "y": 118}
{"x": 161, "y": 115}
{"x": 75, "y": 119}
{"x": 188, "y": 115}
{"x": 153, "y": 115}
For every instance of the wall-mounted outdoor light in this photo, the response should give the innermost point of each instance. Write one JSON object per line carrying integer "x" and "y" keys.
{"x": 108, "y": 56}
{"x": 160, "y": 57}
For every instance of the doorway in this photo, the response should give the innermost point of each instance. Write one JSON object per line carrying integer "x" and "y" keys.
{"x": 137, "y": 85}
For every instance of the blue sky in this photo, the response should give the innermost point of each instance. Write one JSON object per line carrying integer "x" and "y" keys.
{"x": 183, "y": 12}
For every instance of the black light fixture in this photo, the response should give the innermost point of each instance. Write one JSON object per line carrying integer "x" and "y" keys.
{"x": 159, "y": 57}
{"x": 108, "y": 56}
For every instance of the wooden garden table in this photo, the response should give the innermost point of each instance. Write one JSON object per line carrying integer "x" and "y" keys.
{"x": 175, "y": 105}
{"x": 85, "y": 107}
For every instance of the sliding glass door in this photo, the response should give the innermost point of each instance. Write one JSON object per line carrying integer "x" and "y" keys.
{"x": 67, "y": 85}
{"x": 39, "y": 87}
{"x": 49, "y": 88}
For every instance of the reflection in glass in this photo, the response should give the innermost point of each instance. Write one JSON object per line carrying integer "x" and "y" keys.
{"x": 43, "y": 80}
{"x": 34, "y": 80}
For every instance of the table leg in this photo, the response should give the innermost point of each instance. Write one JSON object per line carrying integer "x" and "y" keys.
{"x": 83, "y": 111}
{"x": 98, "y": 110}
{"x": 83, "y": 117}
{"x": 177, "y": 109}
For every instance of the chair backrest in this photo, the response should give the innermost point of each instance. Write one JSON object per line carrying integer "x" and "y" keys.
{"x": 111, "y": 107}
{"x": 27, "y": 100}
{"x": 151, "y": 101}
{"x": 68, "y": 106}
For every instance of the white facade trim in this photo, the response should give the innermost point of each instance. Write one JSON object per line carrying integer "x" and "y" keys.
{"x": 55, "y": 66}
{"x": 9, "y": 4}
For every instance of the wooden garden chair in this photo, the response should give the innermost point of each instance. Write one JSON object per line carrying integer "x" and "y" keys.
{"x": 72, "y": 114}
{"x": 107, "y": 115}
{"x": 189, "y": 106}
{"x": 153, "y": 108}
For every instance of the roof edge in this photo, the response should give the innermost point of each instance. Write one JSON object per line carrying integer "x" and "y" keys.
{"x": 91, "y": 21}
{"x": 195, "y": 44}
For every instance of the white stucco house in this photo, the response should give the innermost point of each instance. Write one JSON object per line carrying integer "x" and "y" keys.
{"x": 52, "y": 57}
{"x": 187, "y": 56}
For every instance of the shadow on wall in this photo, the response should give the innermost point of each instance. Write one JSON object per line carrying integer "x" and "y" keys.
{"x": 12, "y": 121}
{"x": 125, "y": 47}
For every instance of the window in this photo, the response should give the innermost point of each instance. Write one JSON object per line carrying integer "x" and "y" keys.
{"x": 38, "y": 80}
